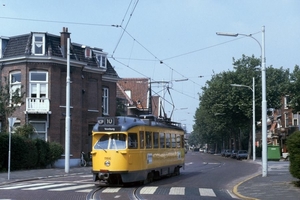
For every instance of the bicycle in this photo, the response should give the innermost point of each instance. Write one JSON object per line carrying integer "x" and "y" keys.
{"x": 82, "y": 160}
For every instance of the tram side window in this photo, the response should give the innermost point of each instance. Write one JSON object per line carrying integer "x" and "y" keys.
{"x": 148, "y": 140}
{"x": 173, "y": 140}
{"x": 142, "y": 140}
{"x": 182, "y": 141}
{"x": 168, "y": 140}
{"x": 132, "y": 141}
{"x": 178, "y": 141}
{"x": 155, "y": 140}
{"x": 162, "y": 140}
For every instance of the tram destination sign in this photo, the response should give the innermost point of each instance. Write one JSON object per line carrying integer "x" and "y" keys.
{"x": 108, "y": 124}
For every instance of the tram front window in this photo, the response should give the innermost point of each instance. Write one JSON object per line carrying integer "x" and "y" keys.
{"x": 114, "y": 141}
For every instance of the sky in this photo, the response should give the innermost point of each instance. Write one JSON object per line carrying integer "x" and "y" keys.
{"x": 171, "y": 41}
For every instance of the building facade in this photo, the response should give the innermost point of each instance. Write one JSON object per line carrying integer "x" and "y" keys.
{"x": 37, "y": 64}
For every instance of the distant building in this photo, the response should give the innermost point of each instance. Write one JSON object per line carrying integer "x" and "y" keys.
{"x": 37, "y": 61}
{"x": 135, "y": 95}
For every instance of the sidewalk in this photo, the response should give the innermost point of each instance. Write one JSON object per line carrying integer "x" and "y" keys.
{"x": 16, "y": 176}
{"x": 278, "y": 184}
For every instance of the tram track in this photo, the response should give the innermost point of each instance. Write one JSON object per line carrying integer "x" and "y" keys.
{"x": 97, "y": 193}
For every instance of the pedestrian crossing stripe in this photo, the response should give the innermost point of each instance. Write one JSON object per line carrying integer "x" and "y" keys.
{"x": 86, "y": 188}
{"x": 23, "y": 186}
{"x": 148, "y": 190}
{"x": 178, "y": 191}
{"x": 111, "y": 190}
{"x": 206, "y": 192}
{"x": 73, "y": 187}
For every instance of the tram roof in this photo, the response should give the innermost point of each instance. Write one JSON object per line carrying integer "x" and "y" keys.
{"x": 126, "y": 122}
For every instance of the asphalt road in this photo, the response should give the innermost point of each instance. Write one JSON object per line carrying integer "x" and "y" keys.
{"x": 205, "y": 176}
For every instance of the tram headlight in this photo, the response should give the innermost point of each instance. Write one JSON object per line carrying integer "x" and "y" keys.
{"x": 107, "y": 163}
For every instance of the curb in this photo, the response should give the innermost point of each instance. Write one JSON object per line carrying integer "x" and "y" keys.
{"x": 235, "y": 189}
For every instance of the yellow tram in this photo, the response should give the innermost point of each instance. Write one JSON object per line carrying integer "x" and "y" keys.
{"x": 136, "y": 149}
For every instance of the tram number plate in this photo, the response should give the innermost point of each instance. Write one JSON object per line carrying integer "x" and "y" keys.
{"x": 109, "y": 121}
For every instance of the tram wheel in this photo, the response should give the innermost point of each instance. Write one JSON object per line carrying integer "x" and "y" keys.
{"x": 150, "y": 177}
{"x": 177, "y": 171}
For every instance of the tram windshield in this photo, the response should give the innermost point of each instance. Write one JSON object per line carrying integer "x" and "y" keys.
{"x": 113, "y": 141}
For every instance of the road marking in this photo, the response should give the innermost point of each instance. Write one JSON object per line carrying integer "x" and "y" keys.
{"x": 177, "y": 191}
{"x": 72, "y": 187}
{"x": 84, "y": 191}
{"x": 23, "y": 186}
{"x": 148, "y": 190}
{"x": 207, "y": 192}
{"x": 47, "y": 186}
{"x": 111, "y": 190}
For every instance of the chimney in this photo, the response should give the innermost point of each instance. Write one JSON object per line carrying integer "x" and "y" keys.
{"x": 64, "y": 35}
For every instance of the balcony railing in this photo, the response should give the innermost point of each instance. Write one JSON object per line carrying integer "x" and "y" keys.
{"x": 37, "y": 105}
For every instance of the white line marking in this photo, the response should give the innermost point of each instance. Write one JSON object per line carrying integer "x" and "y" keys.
{"x": 177, "y": 191}
{"x": 111, "y": 190}
{"x": 72, "y": 187}
{"x": 207, "y": 192}
{"x": 84, "y": 191}
{"x": 47, "y": 186}
{"x": 148, "y": 190}
{"x": 23, "y": 186}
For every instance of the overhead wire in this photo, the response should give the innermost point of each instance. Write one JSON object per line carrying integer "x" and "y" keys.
{"x": 126, "y": 24}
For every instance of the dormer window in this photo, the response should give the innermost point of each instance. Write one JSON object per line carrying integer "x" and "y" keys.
{"x": 101, "y": 60}
{"x": 38, "y": 44}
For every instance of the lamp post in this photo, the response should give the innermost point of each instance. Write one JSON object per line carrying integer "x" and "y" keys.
{"x": 264, "y": 101}
{"x": 253, "y": 114}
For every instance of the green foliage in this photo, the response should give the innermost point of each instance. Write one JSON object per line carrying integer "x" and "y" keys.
{"x": 27, "y": 153}
{"x": 3, "y": 151}
{"x": 9, "y": 102}
{"x": 293, "y": 145}
{"x": 56, "y": 150}
{"x": 43, "y": 150}
{"x": 225, "y": 112}
{"x": 25, "y": 130}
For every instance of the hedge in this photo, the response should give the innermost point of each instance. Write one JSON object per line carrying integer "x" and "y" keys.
{"x": 27, "y": 153}
{"x": 293, "y": 146}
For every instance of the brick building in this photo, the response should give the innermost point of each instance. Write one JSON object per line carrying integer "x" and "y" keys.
{"x": 37, "y": 62}
{"x": 135, "y": 95}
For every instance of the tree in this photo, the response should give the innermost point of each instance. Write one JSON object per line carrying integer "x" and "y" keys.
{"x": 225, "y": 113}
{"x": 9, "y": 101}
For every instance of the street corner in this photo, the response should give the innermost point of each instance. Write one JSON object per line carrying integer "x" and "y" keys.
{"x": 242, "y": 195}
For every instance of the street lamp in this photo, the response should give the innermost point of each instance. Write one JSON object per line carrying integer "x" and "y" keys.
{"x": 264, "y": 101}
{"x": 253, "y": 114}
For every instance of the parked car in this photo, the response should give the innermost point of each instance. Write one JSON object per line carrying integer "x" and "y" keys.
{"x": 211, "y": 151}
{"x": 224, "y": 151}
{"x": 241, "y": 154}
{"x": 201, "y": 150}
{"x": 233, "y": 154}
{"x": 227, "y": 153}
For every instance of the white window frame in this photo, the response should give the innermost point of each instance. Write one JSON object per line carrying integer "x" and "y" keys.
{"x": 38, "y": 43}
{"x": 286, "y": 103}
{"x": 14, "y": 85}
{"x": 296, "y": 119}
{"x": 105, "y": 101}
{"x": 39, "y": 84}
{"x": 101, "y": 59}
